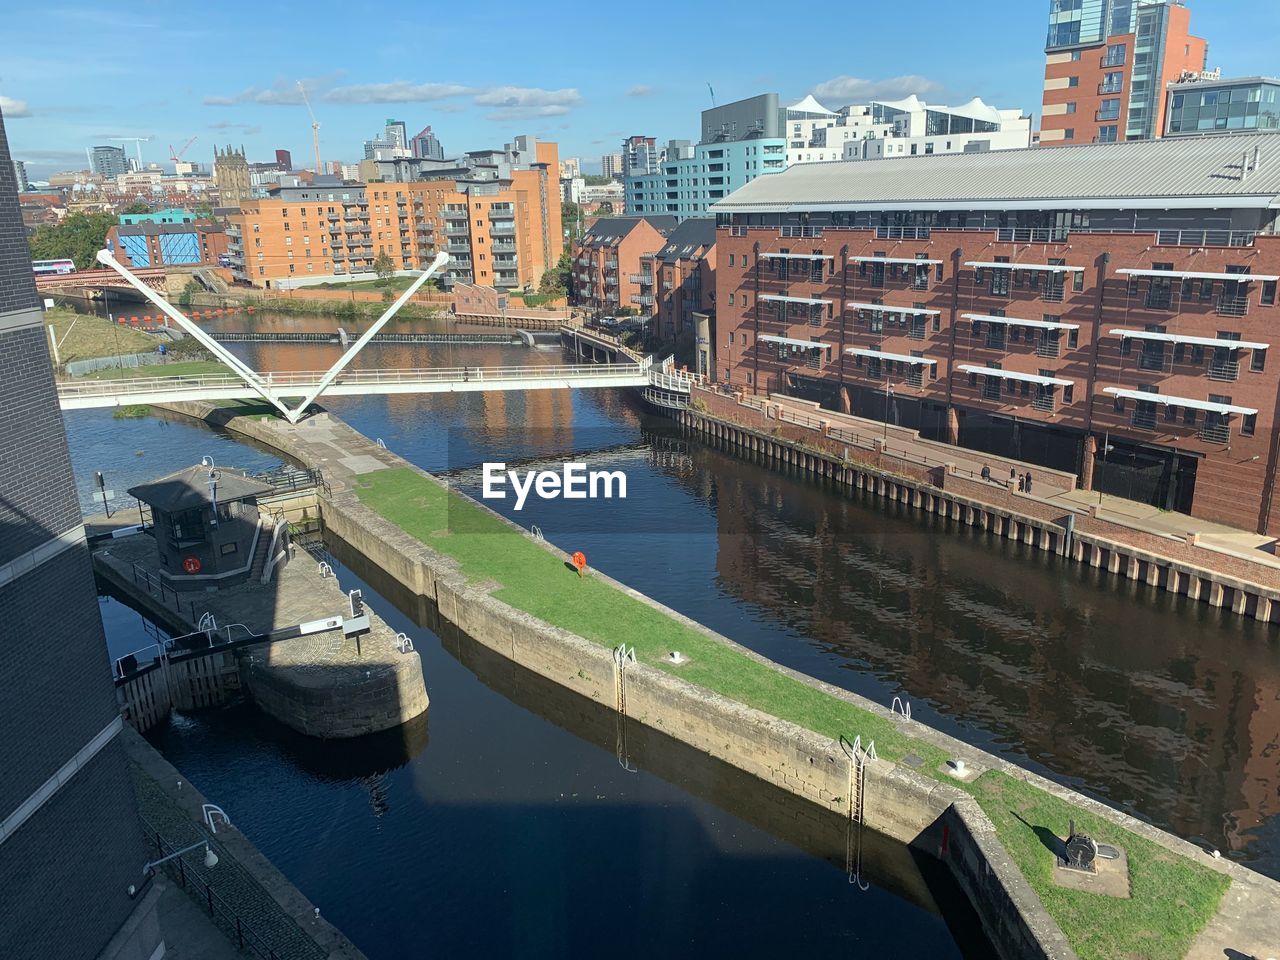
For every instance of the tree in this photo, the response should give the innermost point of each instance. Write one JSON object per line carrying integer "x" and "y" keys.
{"x": 137, "y": 207}
{"x": 79, "y": 237}
{"x": 570, "y": 213}
{"x": 556, "y": 280}
{"x": 383, "y": 266}
{"x": 204, "y": 212}
{"x": 596, "y": 180}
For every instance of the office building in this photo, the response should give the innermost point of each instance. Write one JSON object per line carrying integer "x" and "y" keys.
{"x": 607, "y": 261}
{"x": 71, "y": 842}
{"x": 284, "y": 161}
{"x": 740, "y": 141}
{"x": 1107, "y": 64}
{"x": 499, "y": 221}
{"x": 911, "y": 127}
{"x": 20, "y": 173}
{"x": 426, "y": 145}
{"x": 1053, "y": 305}
{"x": 108, "y": 161}
{"x": 1206, "y": 103}
{"x": 611, "y": 165}
{"x": 231, "y": 176}
{"x": 397, "y": 133}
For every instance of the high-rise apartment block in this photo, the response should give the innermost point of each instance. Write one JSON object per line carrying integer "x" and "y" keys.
{"x": 426, "y": 145}
{"x": 397, "y": 132}
{"x": 108, "y": 161}
{"x": 640, "y": 156}
{"x": 284, "y": 161}
{"x": 611, "y": 165}
{"x": 71, "y": 842}
{"x": 1115, "y": 304}
{"x": 498, "y": 220}
{"x": 1107, "y": 66}
{"x": 20, "y": 172}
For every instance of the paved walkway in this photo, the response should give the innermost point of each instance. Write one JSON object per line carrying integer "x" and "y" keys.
{"x": 188, "y": 932}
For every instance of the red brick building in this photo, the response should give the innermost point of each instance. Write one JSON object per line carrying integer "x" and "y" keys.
{"x": 1107, "y": 310}
{"x": 679, "y": 279}
{"x": 606, "y": 262}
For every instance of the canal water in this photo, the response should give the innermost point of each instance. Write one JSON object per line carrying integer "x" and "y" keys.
{"x": 1160, "y": 706}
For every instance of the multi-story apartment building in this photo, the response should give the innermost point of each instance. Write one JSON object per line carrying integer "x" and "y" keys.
{"x": 740, "y": 141}
{"x": 1113, "y": 304}
{"x": 640, "y": 156}
{"x": 1207, "y": 103}
{"x": 611, "y": 165}
{"x": 71, "y": 842}
{"x": 108, "y": 161}
{"x": 503, "y": 233}
{"x": 1107, "y": 63}
{"x": 426, "y": 145}
{"x": 20, "y": 171}
{"x": 679, "y": 279}
{"x": 607, "y": 264}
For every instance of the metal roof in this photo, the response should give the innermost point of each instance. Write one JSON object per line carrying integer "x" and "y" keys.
{"x": 189, "y": 488}
{"x": 1186, "y": 172}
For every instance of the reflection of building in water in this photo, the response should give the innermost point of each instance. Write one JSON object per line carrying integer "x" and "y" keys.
{"x": 1181, "y": 723}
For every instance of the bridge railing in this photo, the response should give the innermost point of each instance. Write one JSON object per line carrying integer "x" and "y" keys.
{"x": 280, "y": 382}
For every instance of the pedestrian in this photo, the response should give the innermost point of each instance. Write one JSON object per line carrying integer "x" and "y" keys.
{"x": 986, "y": 473}
{"x": 1028, "y": 481}
{"x": 1012, "y": 475}
{"x": 1022, "y": 484}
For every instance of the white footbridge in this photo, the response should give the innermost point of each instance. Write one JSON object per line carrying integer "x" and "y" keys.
{"x": 292, "y": 393}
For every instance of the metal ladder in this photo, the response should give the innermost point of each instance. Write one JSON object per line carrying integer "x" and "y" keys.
{"x": 622, "y": 655}
{"x": 859, "y": 757}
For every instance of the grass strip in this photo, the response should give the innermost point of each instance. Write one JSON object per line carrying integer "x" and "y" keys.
{"x": 1172, "y": 898}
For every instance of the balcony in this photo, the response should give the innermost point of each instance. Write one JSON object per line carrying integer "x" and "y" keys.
{"x": 1224, "y": 370}
{"x": 454, "y": 247}
{"x": 1045, "y": 401}
{"x": 1144, "y": 416}
{"x": 1159, "y": 298}
{"x": 1233, "y": 306}
{"x": 1215, "y": 430}
{"x": 611, "y": 264}
{"x": 642, "y": 300}
{"x": 502, "y": 229}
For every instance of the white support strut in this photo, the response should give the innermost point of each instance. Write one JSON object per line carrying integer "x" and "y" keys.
{"x": 331, "y": 374}
{"x": 249, "y": 376}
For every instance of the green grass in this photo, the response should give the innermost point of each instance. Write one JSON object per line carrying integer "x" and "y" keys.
{"x": 1172, "y": 897}
{"x": 83, "y": 336}
{"x": 391, "y": 283}
{"x": 176, "y": 368}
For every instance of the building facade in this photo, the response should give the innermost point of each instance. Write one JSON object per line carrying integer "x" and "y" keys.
{"x": 503, "y": 233}
{"x": 66, "y": 798}
{"x": 20, "y": 173}
{"x": 640, "y": 156}
{"x": 284, "y": 161}
{"x": 426, "y": 145}
{"x": 168, "y": 244}
{"x": 679, "y": 279}
{"x": 611, "y": 165}
{"x": 911, "y": 127}
{"x": 1199, "y": 104}
{"x": 1107, "y": 64}
{"x": 231, "y": 176}
{"x": 607, "y": 263}
{"x": 108, "y": 161}
{"x": 1107, "y": 311}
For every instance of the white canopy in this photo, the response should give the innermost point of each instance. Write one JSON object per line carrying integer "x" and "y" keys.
{"x": 1044, "y": 267}
{"x": 1195, "y": 275}
{"x": 805, "y": 344}
{"x": 1015, "y": 375}
{"x": 901, "y": 260}
{"x": 797, "y": 256}
{"x": 850, "y": 305}
{"x": 1168, "y": 401}
{"x": 781, "y": 299}
{"x": 1181, "y": 338}
{"x": 1015, "y": 322}
{"x": 901, "y": 358}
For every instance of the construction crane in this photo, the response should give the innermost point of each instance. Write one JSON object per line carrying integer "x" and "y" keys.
{"x": 315, "y": 126}
{"x": 139, "y": 141}
{"x": 176, "y": 155}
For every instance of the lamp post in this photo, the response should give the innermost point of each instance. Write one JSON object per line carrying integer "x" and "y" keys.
{"x": 1102, "y": 474}
{"x": 149, "y": 868}
{"x": 888, "y": 400}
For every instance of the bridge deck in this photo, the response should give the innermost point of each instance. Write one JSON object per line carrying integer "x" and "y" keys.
{"x": 83, "y": 395}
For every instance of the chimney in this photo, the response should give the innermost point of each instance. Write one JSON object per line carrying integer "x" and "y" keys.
{"x": 1257, "y": 157}
{"x": 1244, "y": 167}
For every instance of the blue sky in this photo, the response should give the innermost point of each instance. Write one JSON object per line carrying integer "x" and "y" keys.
{"x": 576, "y": 73}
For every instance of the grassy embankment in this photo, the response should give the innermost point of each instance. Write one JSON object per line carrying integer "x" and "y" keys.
{"x": 88, "y": 337}
{"x": 1172, "y": 897}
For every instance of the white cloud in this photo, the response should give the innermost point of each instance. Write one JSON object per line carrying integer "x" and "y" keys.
{"x": 641, "y": 90}
{"x": 12, "y": 109}
{"x": 839, "y": 91}
{"x": 246, "y": 128}
{"x": 520, "y": 103}
{"x": 282, "y": 93}
{"x": 397, "y": 91}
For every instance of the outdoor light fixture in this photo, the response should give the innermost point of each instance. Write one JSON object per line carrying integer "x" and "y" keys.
{"x": 149, "y": 868}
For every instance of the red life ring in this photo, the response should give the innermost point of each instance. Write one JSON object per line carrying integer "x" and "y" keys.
{"x": 191, "y": 564}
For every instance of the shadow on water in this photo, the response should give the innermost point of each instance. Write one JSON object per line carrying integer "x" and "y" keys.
{"x": 903, "y": 871}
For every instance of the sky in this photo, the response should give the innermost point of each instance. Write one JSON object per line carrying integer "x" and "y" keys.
{"x": 480, "y": 74}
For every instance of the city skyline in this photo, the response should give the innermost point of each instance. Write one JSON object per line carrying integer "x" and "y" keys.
{"x": 56, "y": 109}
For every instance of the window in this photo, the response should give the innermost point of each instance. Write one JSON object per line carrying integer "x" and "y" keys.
{"x": 1073, "y": 81}
{"x": 1115, "y": 55}
{"x": 1000, "y": 279}
{"x": 1249, "y": 424}
{"x": 1069, "y": 133}
{"x": 1071, "y": 107}
{"x": 731, "y": 260}
{"x": 1268, "y": 293}
{"x": 1075, "y": 55}
{"x": 1258, "y": 361}
{"x": 1108, "y": 134}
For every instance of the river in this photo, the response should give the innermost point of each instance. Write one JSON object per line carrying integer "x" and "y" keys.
{"x": 1162, "y": 707}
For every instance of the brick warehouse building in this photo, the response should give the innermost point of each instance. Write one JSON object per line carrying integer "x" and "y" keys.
{"x": 1103, "y": 309}
{"x": 70, "y": 838}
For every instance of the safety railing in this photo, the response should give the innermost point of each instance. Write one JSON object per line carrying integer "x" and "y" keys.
{"x": 158, "y": 589}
